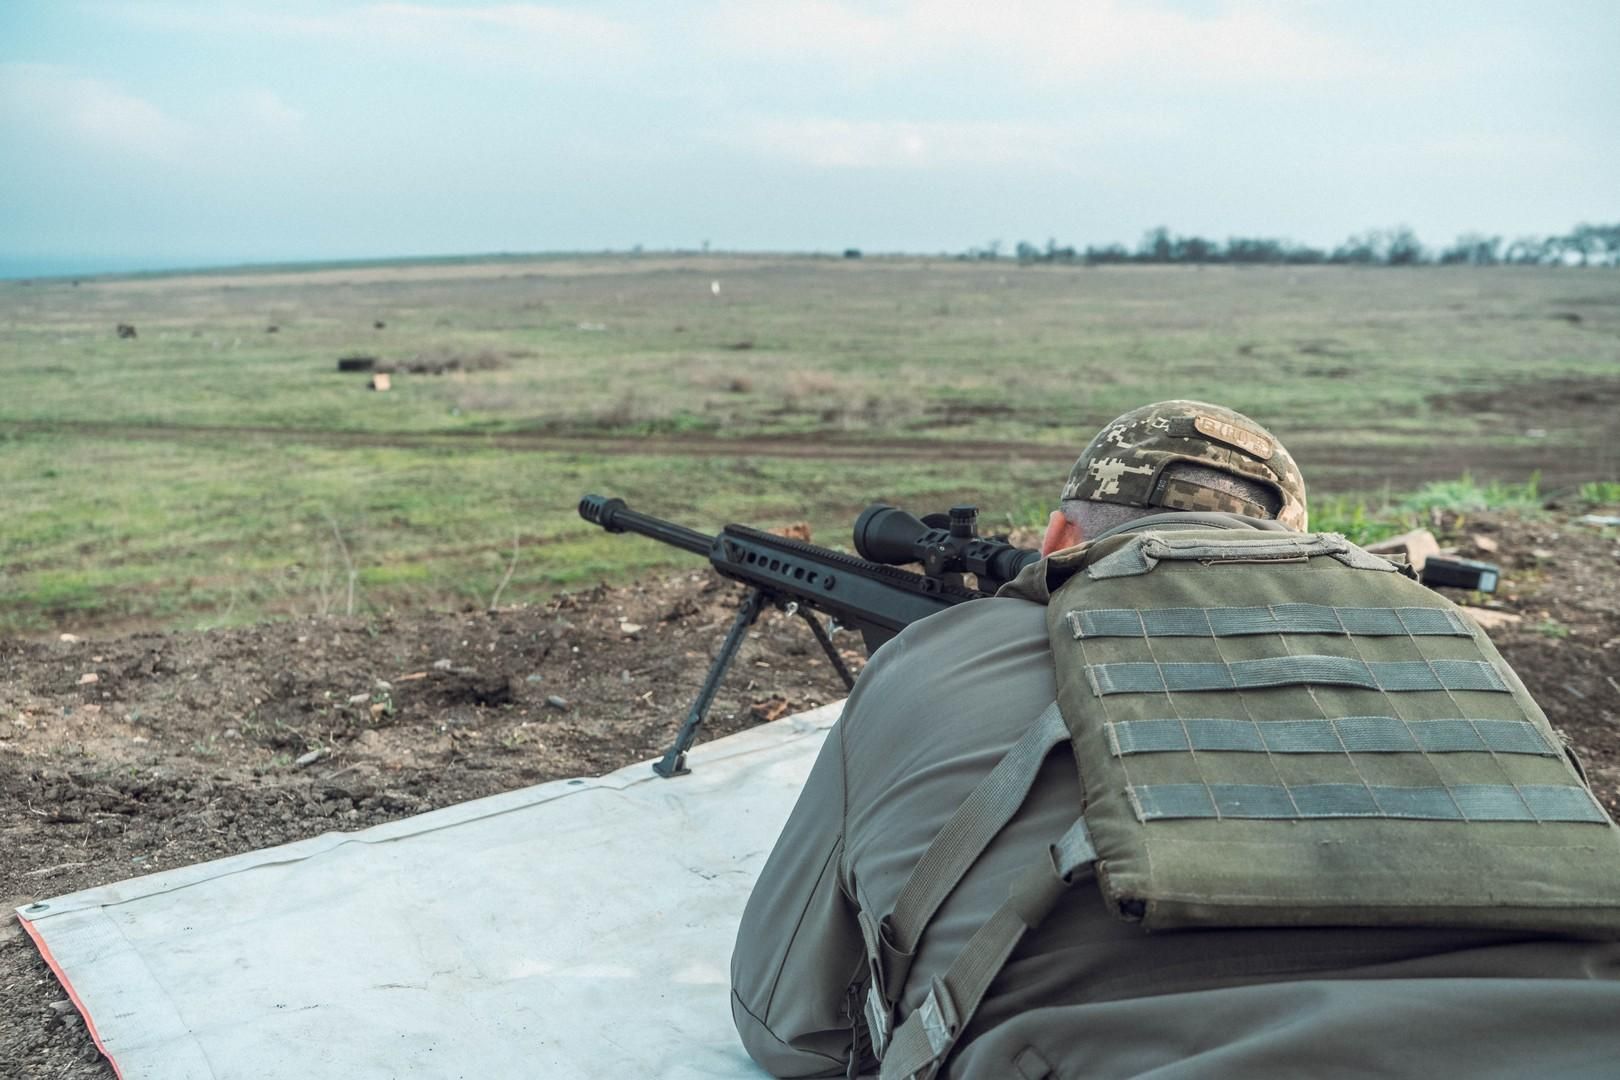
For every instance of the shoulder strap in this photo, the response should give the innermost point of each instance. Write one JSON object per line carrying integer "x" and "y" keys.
{"x": 891, "y": 943}
{"x": 921, "y": 1044}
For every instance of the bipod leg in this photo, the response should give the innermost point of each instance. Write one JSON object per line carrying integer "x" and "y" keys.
{"x": 674, "y": 760}
{"x": 827, "y": 647}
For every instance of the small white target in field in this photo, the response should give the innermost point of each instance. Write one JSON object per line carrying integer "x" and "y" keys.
{"x": 714, "y": 287}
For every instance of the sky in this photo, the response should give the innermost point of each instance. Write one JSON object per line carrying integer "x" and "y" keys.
{"x": 154, "y": 134}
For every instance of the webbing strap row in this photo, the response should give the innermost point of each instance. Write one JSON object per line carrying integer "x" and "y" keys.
{"x": 1336, "y": 735}
{"x": 976, "y": 822}
{"x": 1390, "y": 676}
{"x": 892, "y": 941}
{"x": 1274, "y": 619}
{"x": 1276, "y": 802}
{"x": 921, "y": 1044}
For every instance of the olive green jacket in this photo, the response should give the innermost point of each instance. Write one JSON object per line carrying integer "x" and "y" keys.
{"x": 1087, "y": 994}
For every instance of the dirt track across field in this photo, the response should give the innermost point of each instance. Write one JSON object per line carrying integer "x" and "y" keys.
{"x": 1349, "y": 469}
{"x": 189, "y": 747}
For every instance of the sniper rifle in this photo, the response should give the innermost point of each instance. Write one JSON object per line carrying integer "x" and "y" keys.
{"x": 868, "y": 592}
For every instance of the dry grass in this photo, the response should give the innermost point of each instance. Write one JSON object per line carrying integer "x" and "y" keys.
{"x": 1413, "y": 375}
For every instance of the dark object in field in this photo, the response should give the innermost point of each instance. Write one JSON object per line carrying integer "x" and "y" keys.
{"x": 1460, "y": 574}
{"x": 852, "y": 253}
{"x": 357, "y": 363}
{"x": 437, "y": 363}
{"x": 869, "y": 594}
{"x": 272, "y": 329}
{"x": 1571, "y": 317}
{"x": 125, "y": 330}
{"x": 378, "y": 325}
{"x": 741, "y": 346}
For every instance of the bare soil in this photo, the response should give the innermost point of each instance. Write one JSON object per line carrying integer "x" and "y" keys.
{"x": 1583, "y": 407}
{"x": 188, "y": 747}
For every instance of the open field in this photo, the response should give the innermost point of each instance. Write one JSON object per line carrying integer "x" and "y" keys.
{"x": 209, "y": 473}
{"x": 212, "y": 472}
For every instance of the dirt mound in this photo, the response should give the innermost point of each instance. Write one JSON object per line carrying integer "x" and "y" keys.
{"x": 439, "y": 361}
{"x": 1543, "y": 404}
{"x": 133, "y": 754}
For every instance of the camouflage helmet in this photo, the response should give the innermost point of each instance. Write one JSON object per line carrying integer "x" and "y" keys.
{"x": 1126, "y": 462}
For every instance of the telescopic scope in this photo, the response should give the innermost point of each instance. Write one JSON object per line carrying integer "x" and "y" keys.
{"x": 888, "y": 535}
{"x": 942, "y": 543}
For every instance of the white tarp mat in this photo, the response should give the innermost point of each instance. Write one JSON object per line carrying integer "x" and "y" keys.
{"x": 580, "y": 928}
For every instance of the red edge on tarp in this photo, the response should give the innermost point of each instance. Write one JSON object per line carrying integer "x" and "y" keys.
{"x": 73, "y": 995}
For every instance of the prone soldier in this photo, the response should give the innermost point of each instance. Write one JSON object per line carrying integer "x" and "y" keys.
{"x": 1199, "y": 794}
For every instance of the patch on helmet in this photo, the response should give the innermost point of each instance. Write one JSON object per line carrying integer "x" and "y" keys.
{"x": 1250, "y": 443}
{"x": 1108, "y": 471}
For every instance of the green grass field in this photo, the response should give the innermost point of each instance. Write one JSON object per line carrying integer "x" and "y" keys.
{"x": 210, "y": 471}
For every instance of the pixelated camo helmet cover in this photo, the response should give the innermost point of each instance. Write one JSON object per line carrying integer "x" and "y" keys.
{"x": 1126, "y": 462}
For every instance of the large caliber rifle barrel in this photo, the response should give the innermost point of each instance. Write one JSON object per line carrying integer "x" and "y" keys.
{"x": 877, "y": 599}
{"x": 614, "y": 516}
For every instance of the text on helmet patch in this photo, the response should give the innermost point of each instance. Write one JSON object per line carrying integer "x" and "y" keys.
{"x": 1254, "y": 445}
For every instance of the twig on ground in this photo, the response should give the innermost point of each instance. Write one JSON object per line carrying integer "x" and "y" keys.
{"x": 348, "y": 563}
{"x": 495, "y": 599}
{"x": 225, "y": 618}
{"x": 46, "y": 871}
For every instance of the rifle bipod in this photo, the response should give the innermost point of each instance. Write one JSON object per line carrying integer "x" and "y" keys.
{"x": 674, "y": 760}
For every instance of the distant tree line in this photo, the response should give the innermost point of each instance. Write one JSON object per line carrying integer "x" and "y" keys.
{"x": 1584, "y": 245}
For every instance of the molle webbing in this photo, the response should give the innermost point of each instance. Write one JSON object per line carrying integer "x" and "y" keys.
{"x": 1355, "y": 734}
{"x": 1279, "y": 730}
{"x": 1277, "y": 619}
{"x": 1398, "y": 676}
{"x": 1278, "y": 802}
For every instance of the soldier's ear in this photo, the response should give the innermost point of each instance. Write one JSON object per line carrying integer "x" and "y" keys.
{"x": 1060, "y": 533}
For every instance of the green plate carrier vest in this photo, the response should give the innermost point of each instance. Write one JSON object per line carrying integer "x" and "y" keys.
{"x": 1272, "y": 729}
{"x": 1282, "y": 730}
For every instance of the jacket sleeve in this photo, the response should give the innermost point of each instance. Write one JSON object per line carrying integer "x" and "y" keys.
{"x": 799, "y": 945}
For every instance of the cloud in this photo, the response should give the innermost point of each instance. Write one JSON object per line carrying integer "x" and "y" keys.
{"x": 826, "y": 143}
{"x": 264, "y": 113}
{"x": 1479, "y": 150}
{"x": 532, "y": 36}
{"x": 59, "y": 109}
{"x": 806, "y": 28}
{"x": 1048, "y": 41}
{"x": 54, "y": 101}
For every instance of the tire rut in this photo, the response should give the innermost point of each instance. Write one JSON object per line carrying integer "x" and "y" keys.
{"x": 779, "y": 446}
{"x": 1343, "y": 468}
